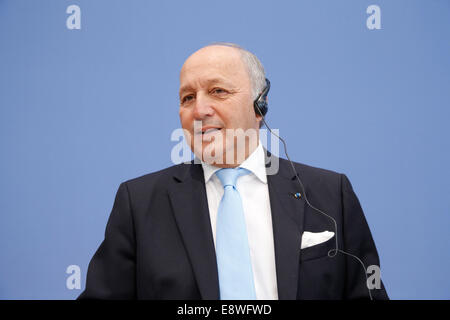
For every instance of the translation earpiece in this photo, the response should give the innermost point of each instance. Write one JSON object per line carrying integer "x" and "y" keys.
{"x": 261, "y": 106}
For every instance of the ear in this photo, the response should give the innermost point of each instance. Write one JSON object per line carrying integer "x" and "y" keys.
{"x": 258, "y": 117}
{"x": 259, "y": 120}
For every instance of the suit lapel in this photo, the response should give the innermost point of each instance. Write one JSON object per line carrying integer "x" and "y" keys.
{"x": 287, "y": 221}
{"x": 190, "y": 206}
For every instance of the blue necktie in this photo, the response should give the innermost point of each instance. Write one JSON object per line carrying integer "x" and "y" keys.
{"x": 232, "y": 249}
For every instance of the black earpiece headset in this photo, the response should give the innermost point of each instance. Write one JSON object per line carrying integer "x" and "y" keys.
{"x": 260, "y": 104}
{"x": 261, "y": 107}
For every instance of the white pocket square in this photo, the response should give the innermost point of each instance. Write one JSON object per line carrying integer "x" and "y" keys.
{"x": 310, "y": 239}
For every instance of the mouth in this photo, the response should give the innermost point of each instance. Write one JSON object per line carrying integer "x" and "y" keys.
{"x": 208, "y": 130}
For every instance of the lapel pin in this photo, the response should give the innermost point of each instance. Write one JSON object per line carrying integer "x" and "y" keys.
{"x": 297, "y": 195}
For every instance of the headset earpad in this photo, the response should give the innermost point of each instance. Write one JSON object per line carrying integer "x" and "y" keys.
{"x": 261, "y": 106}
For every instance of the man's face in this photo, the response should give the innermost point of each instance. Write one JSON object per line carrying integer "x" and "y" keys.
{"x": 215, "y": 89}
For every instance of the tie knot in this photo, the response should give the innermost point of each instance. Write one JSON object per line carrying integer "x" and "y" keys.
{"x": 229, "y": 176}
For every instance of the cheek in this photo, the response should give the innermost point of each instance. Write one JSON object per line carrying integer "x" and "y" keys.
{"x": 231, "y": 114}
{"x": 185, "y": 119}
{"x": 237, "y": 117}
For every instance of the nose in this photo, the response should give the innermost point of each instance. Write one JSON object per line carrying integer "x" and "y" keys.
{"x": 203, "y": 107}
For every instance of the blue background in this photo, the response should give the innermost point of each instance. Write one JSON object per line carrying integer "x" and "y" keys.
{"x": 83, "y": 110}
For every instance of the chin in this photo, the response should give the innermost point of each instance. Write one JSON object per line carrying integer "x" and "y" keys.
{"x": 212, "y": 153}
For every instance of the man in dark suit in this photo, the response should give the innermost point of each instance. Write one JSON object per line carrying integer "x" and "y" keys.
{"x": 165, "y": 240}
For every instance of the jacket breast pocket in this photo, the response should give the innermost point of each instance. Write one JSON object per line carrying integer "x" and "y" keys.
{"x": 318, "y": 251}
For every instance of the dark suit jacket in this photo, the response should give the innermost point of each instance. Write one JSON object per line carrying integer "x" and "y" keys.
{"x": 159, "y": 245}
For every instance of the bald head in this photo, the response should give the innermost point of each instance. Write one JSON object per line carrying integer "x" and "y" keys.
{"x": 216, "y": 62}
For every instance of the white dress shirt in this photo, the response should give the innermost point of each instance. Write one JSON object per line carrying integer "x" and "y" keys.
{"x": 258, "y": 218}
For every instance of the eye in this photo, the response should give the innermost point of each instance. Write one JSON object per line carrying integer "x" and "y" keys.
{"x": 187, "y": 98}
{"x": 219, "y": 91}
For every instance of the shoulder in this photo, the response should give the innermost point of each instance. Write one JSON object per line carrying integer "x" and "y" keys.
{"x": 159, "y": 180}
{"x": 315, "y": 178}
{"x": 309, "y": 172}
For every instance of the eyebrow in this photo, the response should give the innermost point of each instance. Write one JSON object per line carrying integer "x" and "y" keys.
{"x": 209, "y": 81}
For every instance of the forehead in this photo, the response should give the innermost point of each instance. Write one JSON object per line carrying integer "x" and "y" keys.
{"x": 213, "y": 64}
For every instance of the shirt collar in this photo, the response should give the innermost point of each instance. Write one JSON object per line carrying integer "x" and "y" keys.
{"x": 255, "y": 163}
